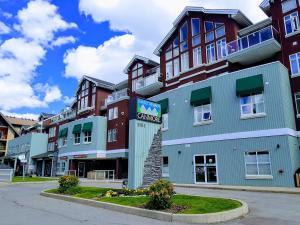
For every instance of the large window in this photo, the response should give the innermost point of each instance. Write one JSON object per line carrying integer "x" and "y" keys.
{"x": 288, "y": 5}
{"x": 210, "y": 53}
{"x": 221, "y": 48}
{"x": 165, "y": 166}
{"x": 258, "y": 163}
{"x": 165, "y": 121}
{"x": 172, "y": 66}
{"x": 196, "y": 36}
{"x": 52, "y": 132}
{"x": 295, "y": 64}
{"x": 184, "y": 37}
{"x": 113, "y": 113}
{"x": 112, "y": 135}
{"x": 297, "y": 100}
{"x": 197, "y": 56}
{"x": 87, "y": 137}
{"x": 93, "y": 96}
{"x": 252, "y": 105}
{"x": 185, "y": 61}
{"x": 77, "y": 138}
{"x": 83, "y": 96}
{"x": 202, "y": 114}
{"x": 291, "y": 23}
{"x": 137, "y": 70}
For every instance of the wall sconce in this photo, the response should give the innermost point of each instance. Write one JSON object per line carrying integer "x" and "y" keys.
{"x": 278, "y": 146}
{"x": 179, "y": 152}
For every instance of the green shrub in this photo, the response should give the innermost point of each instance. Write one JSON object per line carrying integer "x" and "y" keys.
{"x": 73, "y": 190}
{"x": 67, "y": 182}
{"x": 160, "y": 195}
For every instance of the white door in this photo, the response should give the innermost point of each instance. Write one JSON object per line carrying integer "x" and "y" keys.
{"x": 205, "y": 169}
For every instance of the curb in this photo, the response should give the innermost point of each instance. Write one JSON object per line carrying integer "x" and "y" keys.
{"x": 169, "y": 217}
{"x": 34, "y": 182}
{"x": 241, "y": 188}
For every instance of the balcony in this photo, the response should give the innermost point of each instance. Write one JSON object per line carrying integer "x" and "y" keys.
{"x": 117, "y": 96}
{"x": 149, "y": 85}
{"x": 65, "y": 115}
{"x": 254, "y": 47}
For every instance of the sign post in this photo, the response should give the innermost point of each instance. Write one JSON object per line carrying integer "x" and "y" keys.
{"x": 23, "y": 160}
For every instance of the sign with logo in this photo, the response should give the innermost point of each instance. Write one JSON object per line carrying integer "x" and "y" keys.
{"x": 145, "y": 110}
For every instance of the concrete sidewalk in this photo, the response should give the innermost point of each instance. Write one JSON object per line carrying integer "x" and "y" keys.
{"x": 243, "y": 188}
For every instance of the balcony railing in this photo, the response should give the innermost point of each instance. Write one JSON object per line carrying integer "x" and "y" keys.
{"x": 252, "y": 39}
{"x": 116, "y": 96}
{"x": 69, "y": 114}
{"x": 147, "y": 81}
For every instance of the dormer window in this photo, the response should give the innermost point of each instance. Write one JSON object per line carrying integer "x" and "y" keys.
{"x": 137, "y": 70}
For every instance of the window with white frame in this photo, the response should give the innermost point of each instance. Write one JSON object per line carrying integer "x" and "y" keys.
{"x": 185, "y": 61}
{"x": 252, "y": 105}
{"x": 52, "y": 132}
{"x": 165, "y": 166}
{"x": 169, "y": 70}
{"x": 221, "y": 48}
{"x": 77, "y": 138}
{"x": 258, "y": 163}
{"x": 184, "y": 37}
{"x": 112, "y": 135}
{"x": 87, "y": 137}
{"x": 202, "y": 113}
{"x": 165, "y": 121}
{"x": 176, "y": 69}
{"x": 295, "y": 64}
{"x": 51, "y": 146}
{"x": 297, "y": 101}
{"x": 291, "y": 23}
{"x": 197, "y": 56}
{"x": 210, "y": 53}
{"x": 288, "y": 5}
{"x": 196, "y": 36}
{"x": 113, "y": 113}
{"x": 137, "y": 70}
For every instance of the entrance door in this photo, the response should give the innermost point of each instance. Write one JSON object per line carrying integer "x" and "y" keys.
{"x": 205, "y": 167}
{"x": 81, "y": 169}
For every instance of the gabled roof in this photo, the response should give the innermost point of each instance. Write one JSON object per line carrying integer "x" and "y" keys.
{"x": 9, "y": 124}
{"x": 235, "y": 14}
{"x": 266, "y": 5}
{"x": 97, "y": 82}
{"x": 138, "y": 57}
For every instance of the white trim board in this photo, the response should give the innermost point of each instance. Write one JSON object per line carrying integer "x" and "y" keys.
{"x": 233, "y": 136}
{"x": 93, "y": 152}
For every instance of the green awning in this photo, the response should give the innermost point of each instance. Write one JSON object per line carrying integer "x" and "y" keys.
{"x": 76, "y": 129}
{"x": 87, "y": 127}
{"x": 201, "y": 96}
{"x": 250, "y": 85}
{"x": 63, "y": 133}
{"x": 164, "y": 106}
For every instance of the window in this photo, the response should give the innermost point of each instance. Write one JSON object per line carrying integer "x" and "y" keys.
{"x": 169, "y": 54}
{"x": 202, "y": 113}
{"x": 77, "y": 138}
{"x": 88, "y": 137}
{"x": 184, "y": 61}
{"x": 137, "y": 70}
{"x": 295, "y": 64}
{"x": 288, "y": 5}
{"x": 176, "y": 67}
{"x": 165, "y": 166}
{"x": 196, "y": 39}
{"x": 210, "y": 53}
{"x": 221, "y": 48}
{"x": 209, "y": 37}
{"x": 51, "y": 146}
{"x": 64, "y": 141}
{"x": 52, "y": 132}
{"x": 258, "y": 163}
{"x": 208, "y": 26}
{"x": 184, "y": 32}
{"x": 113, "y": 113}
{"x": 112, "y": 135}
{"x": 252, "y": 105}
{"x": 220, "y": 32}
{"x": 165, "y": 120}
{"x": 169, "y": 70}
{"x": 197, "y": 57}
{"x": 291, "y": 23}
{"x": 297, "y": 100}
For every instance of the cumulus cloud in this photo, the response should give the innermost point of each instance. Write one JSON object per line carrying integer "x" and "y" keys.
{"x": 4, "y": 29}
{"x": 63, "y": 40}
{"x": 68, "y": 100}
{"x": 30, "y": 116}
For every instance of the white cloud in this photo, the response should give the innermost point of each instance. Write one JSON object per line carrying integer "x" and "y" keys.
{"x": 63, "y": 40}
{"x": 4, "y": 29}
{"x": 20, "y": 57}
{"x": 7, "y": 15}
{"x": 146, "y": 24}
{"x": 68, "y": 100}
{"x": 40, "y": 20}
{"x": 30, "y": 116}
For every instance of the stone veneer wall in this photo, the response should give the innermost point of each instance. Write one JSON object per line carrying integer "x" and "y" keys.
{"x": 153, "y": 163}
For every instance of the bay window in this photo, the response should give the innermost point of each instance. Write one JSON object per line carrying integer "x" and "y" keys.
{"x": 258, "y": 163}
{"x": 252, "y": 105}
{"x": 295, "y": 64}
{"x": 291, "y": 23}
{"x": 202, "y": 114}
{"x": 210, "y": 53}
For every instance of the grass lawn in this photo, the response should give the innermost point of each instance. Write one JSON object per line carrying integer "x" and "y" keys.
{"x": 194, "y": 204}
{"x": 32, "y": 179}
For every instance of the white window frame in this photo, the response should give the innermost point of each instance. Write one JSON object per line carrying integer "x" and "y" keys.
{"x": 169, "y": 70}
{"x": 258, "y": 175}
{"x": 297, "y": 97}
{"x": 113, "y": 113}
{"x": 289, "y": 18}
{"x": 297, "y": 55}
{"x": 221, "y": 47}
{"x": 176, "y": 67}
{"x": 201, "y": 109}
{"x": 87, "y": 137}
{"x": 211, "y": 48}
{"x": 77, "y": 138}
{"x": 219, "y": 28}
{"x": 165, "y": 122}
{"x": 251, "y": 104}
{"x": 184, "y": 57}
{"x": 197, "y": 57}
{"x": 116, "y": 113}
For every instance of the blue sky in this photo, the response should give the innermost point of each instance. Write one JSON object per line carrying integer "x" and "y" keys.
{"x": 47, "y": 45}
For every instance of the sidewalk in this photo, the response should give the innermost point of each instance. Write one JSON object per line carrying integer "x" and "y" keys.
{"x": 243, "y": 188}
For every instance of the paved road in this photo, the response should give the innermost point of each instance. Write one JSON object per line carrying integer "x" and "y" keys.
{"x": 22, "y": 205}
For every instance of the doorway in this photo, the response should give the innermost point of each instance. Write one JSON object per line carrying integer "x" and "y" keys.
{"x": 81, "y": 169}
{"x": 205, "y": 169}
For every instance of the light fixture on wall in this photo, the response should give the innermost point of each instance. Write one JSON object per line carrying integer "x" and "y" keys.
{"x": 179, "y": 152}
{"x": 278, "y": 146}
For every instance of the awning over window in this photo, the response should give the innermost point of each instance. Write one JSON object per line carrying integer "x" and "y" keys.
{"x": 76, "y": 129}
{"x": 87, "y": 127}
{"x": 201, "y": 96}
{"x": 164, "y": 106}
{"x": 250, "y": 85}
{"x": 63, "y": 133}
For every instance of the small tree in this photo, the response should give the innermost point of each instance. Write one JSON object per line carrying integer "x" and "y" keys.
{"x": 67, "y": 182}
{"x": 160, "y": 193}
